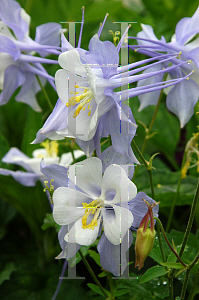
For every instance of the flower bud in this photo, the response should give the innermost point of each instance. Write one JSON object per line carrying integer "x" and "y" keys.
{"x": 145, "y": 237}
{"x": 143, "y": 245}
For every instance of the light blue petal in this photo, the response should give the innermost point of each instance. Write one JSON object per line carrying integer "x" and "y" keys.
{"x": 10, "y": 158}
{"x": 139, "y": 208}
{"x": 113, "y": 257}
{"x": 187, "y": 28}
{"x": 10, "y": 14}
{"x": 13, "y": 78}
{"x": 24, "y": 178}
{"x": 152, "y": 97}
{"x": 28, "y": 91}
{"x": 68, "y": 250}
{"x": 56, "y": 172}
{"x": 48, "y": 34}
{"x": 101, "y": 53}
{"x": 110, "y": 156}
{"x": 181, "y": 100}
{"x": 8, "y": 46}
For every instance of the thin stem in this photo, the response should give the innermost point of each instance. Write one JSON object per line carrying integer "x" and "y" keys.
{"x": 160, "y": 242}
{"x": 60, "y": 280}
{"x": 148, "y": 131}
{"x": 166, "y": 239}
{"x": 184, "y": 287}
{"x": 92, "y": 274}
{"x": 44, "y": 91}
{"x": 173, "y": 204}
{"x": 176, "y": 196}
{"x": 146, "y": 165}
{"x": 170, "y": 288}
{"x": 111, "y": 287}
{"x": 190, "y": 222}
{"x": 195, "y": 284}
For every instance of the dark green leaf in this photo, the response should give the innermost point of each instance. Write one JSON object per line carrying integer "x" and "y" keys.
{"x": 152, "y": 273}
{"x": 95, "y": 256}
{"x": 7, "y": 271}
{"x": 173, "y": 265}
{"x": 120, "y": 293}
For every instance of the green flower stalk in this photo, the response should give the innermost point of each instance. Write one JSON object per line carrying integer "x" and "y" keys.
{"x": 145, "y": 237}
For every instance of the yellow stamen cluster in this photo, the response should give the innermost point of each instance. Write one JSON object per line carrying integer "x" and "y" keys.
{"x": 51, "y": 148}
{"x": 83, "y": 100}
{"x": 115, "y": 37}
{"x": 93, "y": 208}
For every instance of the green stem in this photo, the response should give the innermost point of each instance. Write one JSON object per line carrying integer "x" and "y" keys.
{"x": 160, "y": 242}
{"x": 173, "y": 204}
{"x": 184, "y": 288}
{"x": 176, "y": 196}
{"x": 166, "y": 239}
{"x": 195, "y": 284}
{"x": 152, "y": 122}
{"x": 92, "y": 274}
{"x": 111, "y": 287}
{"x": 170, "y": 288}
{"x": 146, "y": 165}
{"x": 72, "y": 152}
{"x": 190, "y": 222}
{"x": 44, "y": 91}
{"x": 148, "y": 131}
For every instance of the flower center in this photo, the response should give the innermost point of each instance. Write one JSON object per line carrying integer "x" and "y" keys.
{"x": 51, "y": 149}
{"x": 93, "y": 208}
{"x": 83, "y": 99}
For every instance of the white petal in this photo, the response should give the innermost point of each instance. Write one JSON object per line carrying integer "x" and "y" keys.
{"x": 116, "y": 180}
{"x": 116, "y": 223}
{"x": 34, "y": 163}
{"x": 67, "y": 159}
{"x": 70, "y": 60}
{"x": 65, "y": 82}
{"x": 82, "y": 236}
{"x": 68, "y": 205}
{"x": 87, "y": 175}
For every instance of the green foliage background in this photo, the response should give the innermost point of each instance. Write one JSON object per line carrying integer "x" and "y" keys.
{"x": 28, "y": 269}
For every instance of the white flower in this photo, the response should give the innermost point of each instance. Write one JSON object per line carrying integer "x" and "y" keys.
{"x": 94, "y": 199}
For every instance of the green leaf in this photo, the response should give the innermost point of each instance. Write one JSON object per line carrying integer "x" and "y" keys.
{"x": 173, "y": 265}
{"x": 95, "y": 256}
{"x": 3, "y": 149}
{"x": 120, "y": 292}
{"x": 5, "y": 274}
{"x": 50, "y": 222}
{"x": 96, "y": 289}
{"x": 32, "y": 125}
{"x": 152, "y": 273}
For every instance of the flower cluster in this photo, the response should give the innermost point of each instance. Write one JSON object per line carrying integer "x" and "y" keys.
{"x": 94, "y": 199}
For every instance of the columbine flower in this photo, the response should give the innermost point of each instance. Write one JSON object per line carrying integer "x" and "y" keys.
{"x": 15, "y": 68}
{"x": 85, "y": 200}
{"x": 32, "y": 165}
{"x": 181, "y": 98}
{"x": 89, "y": 108}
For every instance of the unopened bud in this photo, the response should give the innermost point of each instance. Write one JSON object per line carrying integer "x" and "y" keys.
{"x": 143, "y": 245}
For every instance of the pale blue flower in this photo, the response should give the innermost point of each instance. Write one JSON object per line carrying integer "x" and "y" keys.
{"x": 17, "y": 68}
{"x": 89, "y": 107}
{"x": 32, "y": 165}
{"x": 85, "y": 200}
{"x": 182, "y": 97}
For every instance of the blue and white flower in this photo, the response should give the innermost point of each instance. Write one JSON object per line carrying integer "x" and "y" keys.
{"x": 182, "y": 97}
{"x": 18, "y": 64}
